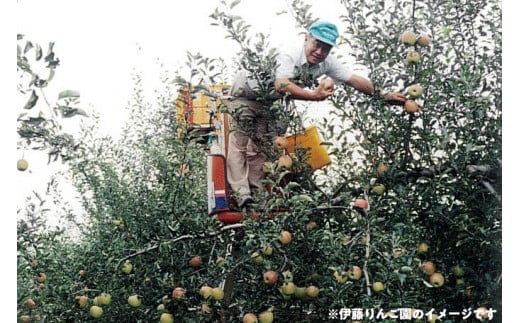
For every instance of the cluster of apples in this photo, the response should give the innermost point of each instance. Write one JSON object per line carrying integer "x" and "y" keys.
{"x": 284, "y": 162}
{"x": 428, "y": 267}
{"x": 410, "y": 38}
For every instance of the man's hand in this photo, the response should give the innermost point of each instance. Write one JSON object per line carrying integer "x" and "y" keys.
{"x": 394, "y": 98}
{"x": 323, "y": 91}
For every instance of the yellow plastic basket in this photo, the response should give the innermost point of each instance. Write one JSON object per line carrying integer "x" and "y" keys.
{"x": 318, "y": 155}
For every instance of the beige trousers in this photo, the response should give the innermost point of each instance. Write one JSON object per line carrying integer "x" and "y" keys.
{"x": 251, "y": 136}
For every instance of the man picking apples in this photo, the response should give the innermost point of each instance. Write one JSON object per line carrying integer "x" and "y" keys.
{"x": 298, "y": 68}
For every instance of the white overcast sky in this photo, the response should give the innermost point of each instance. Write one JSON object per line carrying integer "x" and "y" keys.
{"x": 97, "y": 41}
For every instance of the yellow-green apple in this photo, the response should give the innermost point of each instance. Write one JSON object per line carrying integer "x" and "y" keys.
{"x": 270, "y": 277}
{"x": 354, "y": 273}
{"x": 178, "y": 292}
{"x": 284, "y": 162}
{"x": 196, "y": 261}
{"x": 266, "y": 317}
{"x": 312, "y": 291}
{"x": 341, "y": 277}
{"x": 287, "y": 276}
{"x": 95, "y": 311}
{"x": 257, "y": 258}
{"x": 166, "y": 318}
{"x": 413, "y": 57}
{"x": 428, "y": 268}
{"x": 299, "y": 292}
{"x": 432, "y": 318}
{"x": 82, "y": 301}
{"x": 268, "y": 250}
{"x": 220, "y": 261}
{"x": 285, "y": 237}
{"x": 422, "y": 248}
{"x": 22, "y": 165}
{"x": 134, "y": 300}
{"x": 250, "y": 318}
{"x": 378, "y": 189}
{"x": 127, "y": 267}
{"x": 268, "y": 167}
{"x": 458, "y": 271}
{"x": 217, "y": 293}
{"x": 288, "y": 288}
{"x": 423, "y": 40}
{"x": 378, "y": 287}
{"x": 25, "y": 319}
{"x": 411, "y": 106}
{"x": 408, "y": 37}
{"x": 280, "y": 142}
{"x": 161, "y": 308}
{"x": 437, "y": 280}
{"x": 415, "y": 91}
{"x": 104, "y": 299}
{"x": 205, "y": 291}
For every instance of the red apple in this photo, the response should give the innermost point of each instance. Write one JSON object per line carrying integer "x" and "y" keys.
{"x": 437, "y": 279}
{"x": 280, "y": 142}
{"x": 411, "y": 106}
{"x": 270, "y": 277}
{"x": 250, "y": 318}
{"x": 428, "y": 268}
{"x": 361, "y": 203}
{"x": 29, "y": 303}
{"x": 354, "y": 273}
{"x": 423, "y": 40}
{"x": 178, "y": 292}
{"x": 41, "y": 278}
{"x": 196, "y": 261}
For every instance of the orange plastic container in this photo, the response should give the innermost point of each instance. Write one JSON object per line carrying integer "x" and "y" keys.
{"x": 318, "y": 155}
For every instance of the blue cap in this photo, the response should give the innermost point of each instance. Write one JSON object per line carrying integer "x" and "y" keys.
{"x": 324, "y": 31}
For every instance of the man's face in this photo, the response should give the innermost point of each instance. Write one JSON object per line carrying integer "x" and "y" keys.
{"x": 315, "y": 50}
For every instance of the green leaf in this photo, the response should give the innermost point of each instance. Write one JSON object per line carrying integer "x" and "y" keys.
{"x": 68, "y": 94}
{"x": 32, "y": 101}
